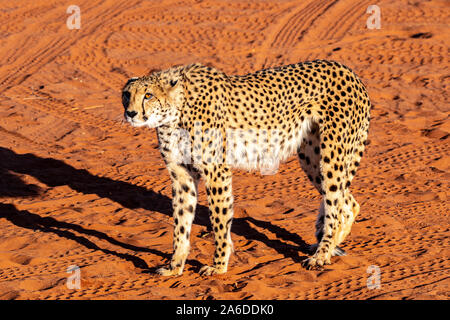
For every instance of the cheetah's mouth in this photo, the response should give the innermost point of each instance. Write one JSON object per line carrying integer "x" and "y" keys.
{"x": 152, "y": 122}
{"x": 137, "y": 124}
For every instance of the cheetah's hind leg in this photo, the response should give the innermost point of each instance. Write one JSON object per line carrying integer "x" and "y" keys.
{"x": 338, "y": 251}
{"x": 309, "y": 156}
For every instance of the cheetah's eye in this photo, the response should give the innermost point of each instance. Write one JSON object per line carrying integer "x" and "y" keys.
{"x": 148, "y": 96}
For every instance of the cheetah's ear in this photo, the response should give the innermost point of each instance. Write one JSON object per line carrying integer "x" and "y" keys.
{"x": 172, "y": 85}
{"x": 174, "y": 89}
{"x": 133, "y": 79}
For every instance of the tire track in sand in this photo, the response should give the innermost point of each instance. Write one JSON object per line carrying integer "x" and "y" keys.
{"x": 47, "y": 49}
{"x": 298, "y": 24}
{"x": 344, "y": 17}
{"x": 292, "y": 28}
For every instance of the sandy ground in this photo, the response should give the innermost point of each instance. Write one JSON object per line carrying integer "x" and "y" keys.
{"x": 79, "y": 188}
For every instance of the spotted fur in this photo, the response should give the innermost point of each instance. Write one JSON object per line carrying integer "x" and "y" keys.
{"x": 208, "y": 122}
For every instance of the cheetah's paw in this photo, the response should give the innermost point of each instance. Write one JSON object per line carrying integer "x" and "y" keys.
{"x": 168, "y": 271}
{"x": 208, "y": 271}
{"x": 315, "y": 263}
{"x": 337, "y": 251}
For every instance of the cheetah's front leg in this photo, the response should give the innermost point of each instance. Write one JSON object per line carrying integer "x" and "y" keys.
{"x": 184, "y": 191}
{"x": 220, "y": 199}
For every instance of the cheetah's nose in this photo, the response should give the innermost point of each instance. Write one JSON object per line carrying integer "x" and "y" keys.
{"x": 131, "y": 114}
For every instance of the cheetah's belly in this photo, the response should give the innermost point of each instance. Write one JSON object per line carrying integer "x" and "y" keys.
{"x": 252, "y": 149}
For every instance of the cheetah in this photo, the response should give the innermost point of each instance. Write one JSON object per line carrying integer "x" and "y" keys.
{"x": 208, "y": 122}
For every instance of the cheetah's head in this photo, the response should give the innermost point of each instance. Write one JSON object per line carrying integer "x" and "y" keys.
{"x": 153, "y": 100}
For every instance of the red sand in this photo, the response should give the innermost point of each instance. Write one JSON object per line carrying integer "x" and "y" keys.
{"x": 80, "y": 188}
